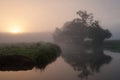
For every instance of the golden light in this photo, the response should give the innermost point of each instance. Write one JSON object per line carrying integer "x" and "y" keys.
{"x": 15, "y": 30}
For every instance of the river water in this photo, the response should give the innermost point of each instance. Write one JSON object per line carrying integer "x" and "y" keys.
{"x": 65, "y": 69}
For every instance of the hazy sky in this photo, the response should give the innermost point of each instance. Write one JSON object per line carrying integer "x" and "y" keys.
{"x": 45, "y": 15}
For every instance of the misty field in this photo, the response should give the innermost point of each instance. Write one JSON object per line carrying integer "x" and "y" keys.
{"x": 113, "y": 45}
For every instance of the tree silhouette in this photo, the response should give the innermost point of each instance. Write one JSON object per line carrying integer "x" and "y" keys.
{"x": 77, "y": 30}
{"x": 74, "y": 31}
{"x": 98, "y": 34}
{"x": 85, "y": 18}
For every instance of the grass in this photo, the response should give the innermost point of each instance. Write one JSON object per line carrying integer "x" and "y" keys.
{"x": 41, "y": 54}
{"x": 32, "y": 50}
{"x": 113, "y": 45}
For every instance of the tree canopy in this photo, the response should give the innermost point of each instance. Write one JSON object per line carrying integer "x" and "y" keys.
{"x": 77, "y": 30}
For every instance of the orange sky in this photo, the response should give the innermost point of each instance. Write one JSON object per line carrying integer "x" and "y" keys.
{"x": 45, "y": 15}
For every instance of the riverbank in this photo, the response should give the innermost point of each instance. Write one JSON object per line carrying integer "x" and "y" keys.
{"x": 112, "y": 45}
{"x": 40, "y": 53}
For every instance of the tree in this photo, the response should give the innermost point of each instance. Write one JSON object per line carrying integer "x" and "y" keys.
{"x": 85, "y": 18}
{"x": 98, "y": 35}
{"x": 75, "y": 30}
{"x": 80, "y": 28}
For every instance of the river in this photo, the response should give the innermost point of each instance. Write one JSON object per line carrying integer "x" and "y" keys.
{"x": 61, "y": 69}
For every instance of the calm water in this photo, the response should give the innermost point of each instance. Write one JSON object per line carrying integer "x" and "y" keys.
{"x": 67, "y": 68}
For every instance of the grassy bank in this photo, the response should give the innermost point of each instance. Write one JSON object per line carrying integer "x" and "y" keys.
{"x": 24, "y": 56}
{"x": 113, "y": 45}
{"x": 39, "y": 52}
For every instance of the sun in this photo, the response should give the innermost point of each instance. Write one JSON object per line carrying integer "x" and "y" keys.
{"x": 15, "y": 30}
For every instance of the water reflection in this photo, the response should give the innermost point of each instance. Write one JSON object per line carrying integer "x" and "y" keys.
{"x": 15, "y": 63}
{"x": 22, "y": 63}
{"x": 87, "y": 62}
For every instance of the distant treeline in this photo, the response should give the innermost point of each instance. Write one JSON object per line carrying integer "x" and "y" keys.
{"x": 113, "y": 45}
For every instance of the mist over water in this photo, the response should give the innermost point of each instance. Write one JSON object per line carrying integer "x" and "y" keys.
{"x": 75, "y": 61}
{"x": 26, "y": 37}
{"x": 32, "y": 37}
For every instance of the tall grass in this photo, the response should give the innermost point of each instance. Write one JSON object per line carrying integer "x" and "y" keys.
{"x": 32, "y": 50}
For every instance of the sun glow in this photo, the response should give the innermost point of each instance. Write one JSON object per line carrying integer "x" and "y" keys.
{"x": 15, "y": 30}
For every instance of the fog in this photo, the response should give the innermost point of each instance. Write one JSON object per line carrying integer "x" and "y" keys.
{"x": 26, "y": 37}
{"x": 77, "y": 45}
{"x": 44, "y": 15}
{"x": 115, "y": 32}
{"x": 36, "y": 37}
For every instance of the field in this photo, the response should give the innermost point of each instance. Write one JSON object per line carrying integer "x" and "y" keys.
{"x": 113, "y": 45}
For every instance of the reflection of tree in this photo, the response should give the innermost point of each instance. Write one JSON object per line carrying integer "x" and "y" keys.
{"x": 87, "y": 63}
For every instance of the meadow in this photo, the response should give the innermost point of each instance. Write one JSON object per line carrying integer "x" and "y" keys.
{"x": 113, "y": 45}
